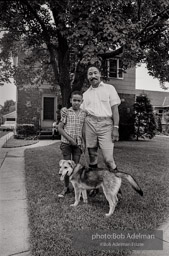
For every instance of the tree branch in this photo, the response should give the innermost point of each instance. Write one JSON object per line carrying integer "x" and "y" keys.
{"x": 46, "y": 38}
{"x": 152, "y": 21}
{"x": 33, "y": 11}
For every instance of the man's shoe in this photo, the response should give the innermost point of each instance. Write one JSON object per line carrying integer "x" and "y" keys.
{"x": 113, "y": 170}
{"x": 64, "y": 192}
{"x": 93, "y": 192}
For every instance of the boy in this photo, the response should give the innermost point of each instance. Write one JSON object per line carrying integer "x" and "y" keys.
{"x": 71, "y": 128}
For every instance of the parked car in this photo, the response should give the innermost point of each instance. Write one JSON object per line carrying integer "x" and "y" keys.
{"x": 8, "y": 126}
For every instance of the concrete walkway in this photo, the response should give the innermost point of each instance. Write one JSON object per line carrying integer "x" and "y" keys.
{"x": 14, "y": 231}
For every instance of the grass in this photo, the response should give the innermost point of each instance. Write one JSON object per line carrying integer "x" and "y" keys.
{"x": 3, "y": 133}
{"x": 52, "y": 220}
{"x": 14, "y": 143}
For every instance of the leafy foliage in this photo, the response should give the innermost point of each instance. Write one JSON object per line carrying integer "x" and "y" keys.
{"x": 145, "y": 125}
{"x": 25, "y": 130}
{"x": 9, "y": 106}
{"x": 50, "y": 31}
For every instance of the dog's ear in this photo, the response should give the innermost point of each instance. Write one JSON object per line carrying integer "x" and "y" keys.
{"x": 61, "y": 162}
{"x": 71, "y": 163}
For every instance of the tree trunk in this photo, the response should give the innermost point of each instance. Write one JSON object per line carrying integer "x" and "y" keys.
{"x": 80, "y": 77}
{"x": 64, "y": 67}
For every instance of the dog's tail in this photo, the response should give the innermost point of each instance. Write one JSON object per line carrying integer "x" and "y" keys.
{"x": 131, "y": 180}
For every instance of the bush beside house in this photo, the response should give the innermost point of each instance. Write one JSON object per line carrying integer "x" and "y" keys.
{"x": 144, "y": 119}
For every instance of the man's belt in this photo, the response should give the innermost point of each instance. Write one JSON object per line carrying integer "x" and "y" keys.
{"x": 99, "y": 118}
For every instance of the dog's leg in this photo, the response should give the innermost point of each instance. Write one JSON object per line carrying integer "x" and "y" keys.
{"x": 112, "y": 205}
{"x": 112, "y": 199}
{"x": 84, "y": 195}
{"x": 77, "y": 195}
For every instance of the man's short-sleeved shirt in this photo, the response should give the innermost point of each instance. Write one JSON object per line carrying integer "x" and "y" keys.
{"x": 73, "y": 124}
{"x": 98, "y": 101}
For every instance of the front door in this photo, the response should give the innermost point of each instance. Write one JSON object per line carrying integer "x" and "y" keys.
{"x": 48, "y": 111}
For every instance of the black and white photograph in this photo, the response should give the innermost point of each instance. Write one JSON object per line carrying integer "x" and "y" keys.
{"x": 84, "y": 128}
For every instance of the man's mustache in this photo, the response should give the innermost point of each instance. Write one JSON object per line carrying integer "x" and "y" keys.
{"x": 93, "y": 78}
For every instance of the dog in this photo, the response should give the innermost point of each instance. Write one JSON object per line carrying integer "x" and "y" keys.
{"x": 68, "y": 166}
{"x": 83, "y": 178}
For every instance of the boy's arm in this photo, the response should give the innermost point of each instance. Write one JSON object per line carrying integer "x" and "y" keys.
{"x": 63, "y": 133}
{"x": 83, "y": 133}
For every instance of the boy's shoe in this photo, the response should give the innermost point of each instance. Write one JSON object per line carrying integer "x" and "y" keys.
{"x": 64, "y": 192}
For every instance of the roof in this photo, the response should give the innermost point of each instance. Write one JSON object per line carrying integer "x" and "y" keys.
{"x": 11, "y": 114}
{"x": 157, "y": 98}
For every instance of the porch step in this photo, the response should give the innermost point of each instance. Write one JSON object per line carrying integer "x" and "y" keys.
{"x": 47, "y": 134}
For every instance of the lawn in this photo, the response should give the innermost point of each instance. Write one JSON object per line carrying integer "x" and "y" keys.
{"x": 14, "y": 143}
{"x": 53, "y": 221}
{"x": 3, "y": 133}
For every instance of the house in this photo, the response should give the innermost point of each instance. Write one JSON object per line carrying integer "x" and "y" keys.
{"x": 38, "y": 104}
{"x": 9, "y": 121}
{"x": 160, "y": 103}
{"x": 10, "y": 117}
{"x": 124, "y": 82}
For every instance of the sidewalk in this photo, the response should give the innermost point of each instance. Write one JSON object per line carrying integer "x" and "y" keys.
{"x": 14, "y": 231}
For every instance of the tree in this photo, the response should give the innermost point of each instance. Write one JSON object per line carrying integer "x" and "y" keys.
{"x": 9, "y": 106}
{"x": 144, "y": 120}
{"x": 50, "y": 31}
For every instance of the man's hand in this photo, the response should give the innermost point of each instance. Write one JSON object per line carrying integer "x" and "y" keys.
{"x": 64, "y": 111}
{"x": 115, "y": 134}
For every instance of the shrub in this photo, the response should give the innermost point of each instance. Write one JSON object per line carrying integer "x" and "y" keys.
{"x": 145, "y": 125}
{"x": 25, "y": 130}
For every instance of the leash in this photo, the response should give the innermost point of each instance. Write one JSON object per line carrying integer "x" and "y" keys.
{"x": 84, "y": 156}
{"x": 83, "y": 149}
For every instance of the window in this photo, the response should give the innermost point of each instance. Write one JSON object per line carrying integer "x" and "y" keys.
{"x": 48, "y": 108}
{"x": 10, "y": 119}
{"x": 114, "y": 68}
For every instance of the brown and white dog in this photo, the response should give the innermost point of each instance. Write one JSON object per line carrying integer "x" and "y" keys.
{"x": 83, "y": 178}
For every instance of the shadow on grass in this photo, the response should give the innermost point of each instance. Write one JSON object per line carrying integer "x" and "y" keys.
{"x": 53, "y": 221}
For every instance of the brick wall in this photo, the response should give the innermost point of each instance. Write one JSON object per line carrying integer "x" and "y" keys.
{"x": 28, "y": 106}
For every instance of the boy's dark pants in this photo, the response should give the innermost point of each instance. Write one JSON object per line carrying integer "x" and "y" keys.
{"x": 70, "y": 152}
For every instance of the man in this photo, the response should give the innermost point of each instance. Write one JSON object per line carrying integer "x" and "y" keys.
{"x": 101, "y": 102}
